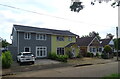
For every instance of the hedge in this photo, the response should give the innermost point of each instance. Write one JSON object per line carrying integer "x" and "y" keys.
{"x": 6, "y": 59}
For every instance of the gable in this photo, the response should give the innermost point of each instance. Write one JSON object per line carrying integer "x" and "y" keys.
{"x": 111, "y": 42}
{"x": 95, "y": 42}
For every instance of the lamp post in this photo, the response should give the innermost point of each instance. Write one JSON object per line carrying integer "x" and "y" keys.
{"x": 117, "y": 41}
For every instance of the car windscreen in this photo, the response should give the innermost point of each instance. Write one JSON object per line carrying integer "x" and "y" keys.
{"x": 28, "y": 54}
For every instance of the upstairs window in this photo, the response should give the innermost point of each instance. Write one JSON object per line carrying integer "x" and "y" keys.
{"x": 40, "y": 37}
{"x": 60, "y": 38}
{"x": 69, "y": 38}
{"x": 27, "y": 35}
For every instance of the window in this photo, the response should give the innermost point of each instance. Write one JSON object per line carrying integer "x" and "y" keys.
{"x": 60, "y": 51}
{"x": 94, "y": 50}
{"x": 27, "y": 35}
{"x": 41, "y": 51}
{"x": 90, "y": 49}
{"x": 69, "y": 38}
{"x": 27, "y": 49}
{"x": 60, "y": 38}
{"x": 100, "y": 49}
{"x": 40, "y": 37}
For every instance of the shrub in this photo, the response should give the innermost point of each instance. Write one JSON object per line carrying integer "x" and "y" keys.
{"x": 97, "y": 55}
{"x": 90, "y": 54}
{"x": 107, "y": 49}
{"x": 6, "y": 59}
{"x": 104, "y": 56}
{"x": 79, "y": 55}
{"x": 62, "y": 58}
{"x": 69, "y": 54}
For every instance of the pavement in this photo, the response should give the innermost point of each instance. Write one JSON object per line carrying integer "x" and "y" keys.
{"x": 41, "y": 64}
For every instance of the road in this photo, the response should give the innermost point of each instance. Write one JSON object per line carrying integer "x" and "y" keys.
{"x": 98, "y": 70}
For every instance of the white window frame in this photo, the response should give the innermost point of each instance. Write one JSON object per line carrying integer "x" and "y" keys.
{"x": 57, "y": 52}
{"x": 39, "y": 35}
{"x": 28, "y": 34}
{"x": 27, "y": 47}
{"x": 42, "y": 49}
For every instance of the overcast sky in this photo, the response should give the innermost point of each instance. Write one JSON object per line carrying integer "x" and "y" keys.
{"x": 56, "y": 14}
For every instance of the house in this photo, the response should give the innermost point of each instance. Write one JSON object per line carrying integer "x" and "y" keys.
{"x": 89, "y": 44}
{"x": 107, "y": 41}
{"x": 40, "y": 41}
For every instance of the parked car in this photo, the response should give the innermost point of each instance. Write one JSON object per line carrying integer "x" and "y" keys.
{"x": 25, "y": 57}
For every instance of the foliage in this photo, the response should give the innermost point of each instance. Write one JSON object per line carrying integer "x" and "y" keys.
{"x": 107, "y": 49}
{"x": 6, "y": 59}
{"x": 109, "y": 35}
{"x": 76, "y": 5}
{"x": 68, "y": 52}
{"x": 112, "y": 76}
{"x": 5, "y": 43}
{"x": 117, "y": 43}
{"x": 90, "y": 54}
{"x": 79, "y": 55}
{"x": 97, "y": 55}
{"x": 54, "y": 56}
{"x": 106, "y": 56}
{"x": 94, "y": 34}
{"x": 62, "y": 58}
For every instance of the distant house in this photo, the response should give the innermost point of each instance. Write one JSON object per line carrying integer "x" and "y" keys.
{"x": 40, "y": 41}
{"x": 89, "y": 44}
{"x": 107, "y": 41}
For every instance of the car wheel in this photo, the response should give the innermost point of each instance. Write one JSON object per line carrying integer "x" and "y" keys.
{"x": 17, "y": 61}
{"x": 33, "y": 62}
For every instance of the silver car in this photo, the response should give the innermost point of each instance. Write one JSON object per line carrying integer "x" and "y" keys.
{"x": 25, "y": 57}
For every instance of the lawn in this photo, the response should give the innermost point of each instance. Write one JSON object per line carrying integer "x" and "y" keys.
{"x": 112, "y": 76}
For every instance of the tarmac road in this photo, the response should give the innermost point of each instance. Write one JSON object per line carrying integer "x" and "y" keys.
{"x": 98, "y": 70}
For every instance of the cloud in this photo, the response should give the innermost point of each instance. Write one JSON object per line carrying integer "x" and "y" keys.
{"x": 100, "y": 18}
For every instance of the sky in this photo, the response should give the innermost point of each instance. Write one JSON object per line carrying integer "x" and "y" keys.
{"x": 56, "y": 14}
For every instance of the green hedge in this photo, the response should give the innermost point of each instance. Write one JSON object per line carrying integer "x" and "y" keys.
{"x": 89, "y": 54}
{"x": 54, "y": 56}
{"x": 6, "y": 59}
{"x": 97, "y": 55}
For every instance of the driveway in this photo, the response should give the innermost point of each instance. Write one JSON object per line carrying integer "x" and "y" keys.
{"x": 38, "y": 62}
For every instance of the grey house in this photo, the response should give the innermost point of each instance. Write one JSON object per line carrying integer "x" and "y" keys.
{"x": 39, "y": 41}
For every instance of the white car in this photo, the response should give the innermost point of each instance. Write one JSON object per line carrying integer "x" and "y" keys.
{"x": 25, "y": 57}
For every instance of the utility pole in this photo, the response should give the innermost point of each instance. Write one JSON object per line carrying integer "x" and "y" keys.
{"x": 117, "y": 41}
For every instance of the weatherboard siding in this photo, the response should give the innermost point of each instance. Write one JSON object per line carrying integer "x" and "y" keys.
{"x": 33, "y": 43}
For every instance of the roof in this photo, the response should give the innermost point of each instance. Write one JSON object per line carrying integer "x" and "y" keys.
{"x": 43, "y": 30}
{"x": 84, "y": 41}
{"x": 70, "y": 44}
{"x": 105, "y": 41}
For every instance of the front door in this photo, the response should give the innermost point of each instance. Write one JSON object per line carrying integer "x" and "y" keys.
{"x": 41, "y": 51}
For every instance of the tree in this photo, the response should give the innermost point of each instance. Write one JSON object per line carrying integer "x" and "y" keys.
{"x": 107, "y": 49}
{"x": 76, "y": 4}
{"x": 94, "y": 34}
{"x": 5, "y": 43}
{"x": 117, "y": 43}
{"x": 109, "y": 35}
